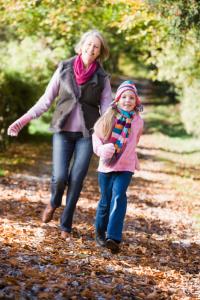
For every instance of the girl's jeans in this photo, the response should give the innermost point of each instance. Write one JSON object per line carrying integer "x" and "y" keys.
{"x": 111, "y": 209}
{"x": 71, "y": 158}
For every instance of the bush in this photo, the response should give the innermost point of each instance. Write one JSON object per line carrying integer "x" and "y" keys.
{"x": 25, "y": 70}
{"x": 190, "y": 111}
{"x": 16, "y": 96}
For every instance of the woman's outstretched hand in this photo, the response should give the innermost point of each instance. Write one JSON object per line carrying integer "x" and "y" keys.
{"x": 15, "y": 127}
{"x": 107, "y": 150}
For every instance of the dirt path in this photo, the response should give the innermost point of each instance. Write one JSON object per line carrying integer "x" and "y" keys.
{"x": 160, "y": 255}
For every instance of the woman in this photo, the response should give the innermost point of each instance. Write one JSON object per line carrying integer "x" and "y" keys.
{"x": 84, "y": 91}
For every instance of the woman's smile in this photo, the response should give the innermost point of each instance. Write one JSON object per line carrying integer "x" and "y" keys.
{"x": 90, "y": 50}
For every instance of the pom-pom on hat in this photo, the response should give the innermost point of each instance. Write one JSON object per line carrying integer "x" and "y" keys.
{"x": 126, "y": 86}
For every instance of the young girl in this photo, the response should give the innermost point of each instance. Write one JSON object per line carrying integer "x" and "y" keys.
{"x": 115, "y": 137}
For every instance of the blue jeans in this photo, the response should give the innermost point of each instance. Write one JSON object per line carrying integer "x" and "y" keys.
{"x": 71, "y": 158}
{"x": 112, "y": 206}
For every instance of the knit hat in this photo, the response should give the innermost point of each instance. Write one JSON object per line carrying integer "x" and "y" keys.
{"x": 125, "y": 86}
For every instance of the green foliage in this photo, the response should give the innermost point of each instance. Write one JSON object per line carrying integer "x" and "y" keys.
{"x": 24, "y": 73}
{"x": 61, "y": 23}
{"x": 132, "y": 67}
{"x": 162, "y": 35}
{"x": 165, "y": 119}
{"x": 178, "y": 64}
{"x": 41, "y": 126}
{"x": 1, "y": 172}
{"x": 12, "y": 90}
{"x": 177, "y": 59}
{"x": 163, "y": 125}
{"x": 181, "y": 15}
{"x": 191, "y": 108}
{"x": 30, "y": 57}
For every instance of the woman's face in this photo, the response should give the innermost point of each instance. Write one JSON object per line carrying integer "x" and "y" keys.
{"x": 91, "y": 49}
{"x": 127, "y": 101}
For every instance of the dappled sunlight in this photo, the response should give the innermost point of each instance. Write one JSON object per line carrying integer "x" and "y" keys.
{"x": 155, "y": 44}
{"x": 160, "y": 250}
{"x": 22, "y": 233}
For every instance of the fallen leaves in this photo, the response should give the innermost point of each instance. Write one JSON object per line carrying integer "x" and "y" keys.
{"x": 159, "y": 259}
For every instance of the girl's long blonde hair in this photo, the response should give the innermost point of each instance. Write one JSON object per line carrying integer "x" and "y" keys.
{"x": 104, "y": 125}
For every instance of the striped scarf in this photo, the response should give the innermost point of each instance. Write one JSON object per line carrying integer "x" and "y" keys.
{"x": 120, "y": 133}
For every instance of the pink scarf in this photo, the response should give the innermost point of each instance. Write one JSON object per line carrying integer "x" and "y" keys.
{"x": 81, "y": 74}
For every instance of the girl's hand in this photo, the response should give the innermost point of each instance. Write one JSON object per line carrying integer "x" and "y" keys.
{"x": 107, "y": 150}
{"x": 15, "y": 127}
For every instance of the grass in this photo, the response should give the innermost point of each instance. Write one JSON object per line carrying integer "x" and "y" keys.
{"x": 166, "y": 119}
{"x": 196, "y": 217}
{"x": 2, "y": 173}
{"x": 164, "y": 125}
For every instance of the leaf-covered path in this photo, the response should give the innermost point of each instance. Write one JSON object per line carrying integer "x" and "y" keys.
{"x": 160, "y": 255}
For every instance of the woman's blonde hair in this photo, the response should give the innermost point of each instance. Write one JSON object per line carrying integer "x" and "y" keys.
{"x": 104, "y": 51}
{"x": 104, "y": 125}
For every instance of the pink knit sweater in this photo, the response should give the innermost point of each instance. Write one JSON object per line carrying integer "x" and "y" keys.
{"x": 128, "y": 160}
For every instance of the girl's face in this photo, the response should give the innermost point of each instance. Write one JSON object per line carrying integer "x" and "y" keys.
{"x": 90, "y": 50}
{"x": 127, "y": 101}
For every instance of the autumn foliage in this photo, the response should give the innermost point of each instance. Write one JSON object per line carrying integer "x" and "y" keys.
{"x": 159, "y": 257}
